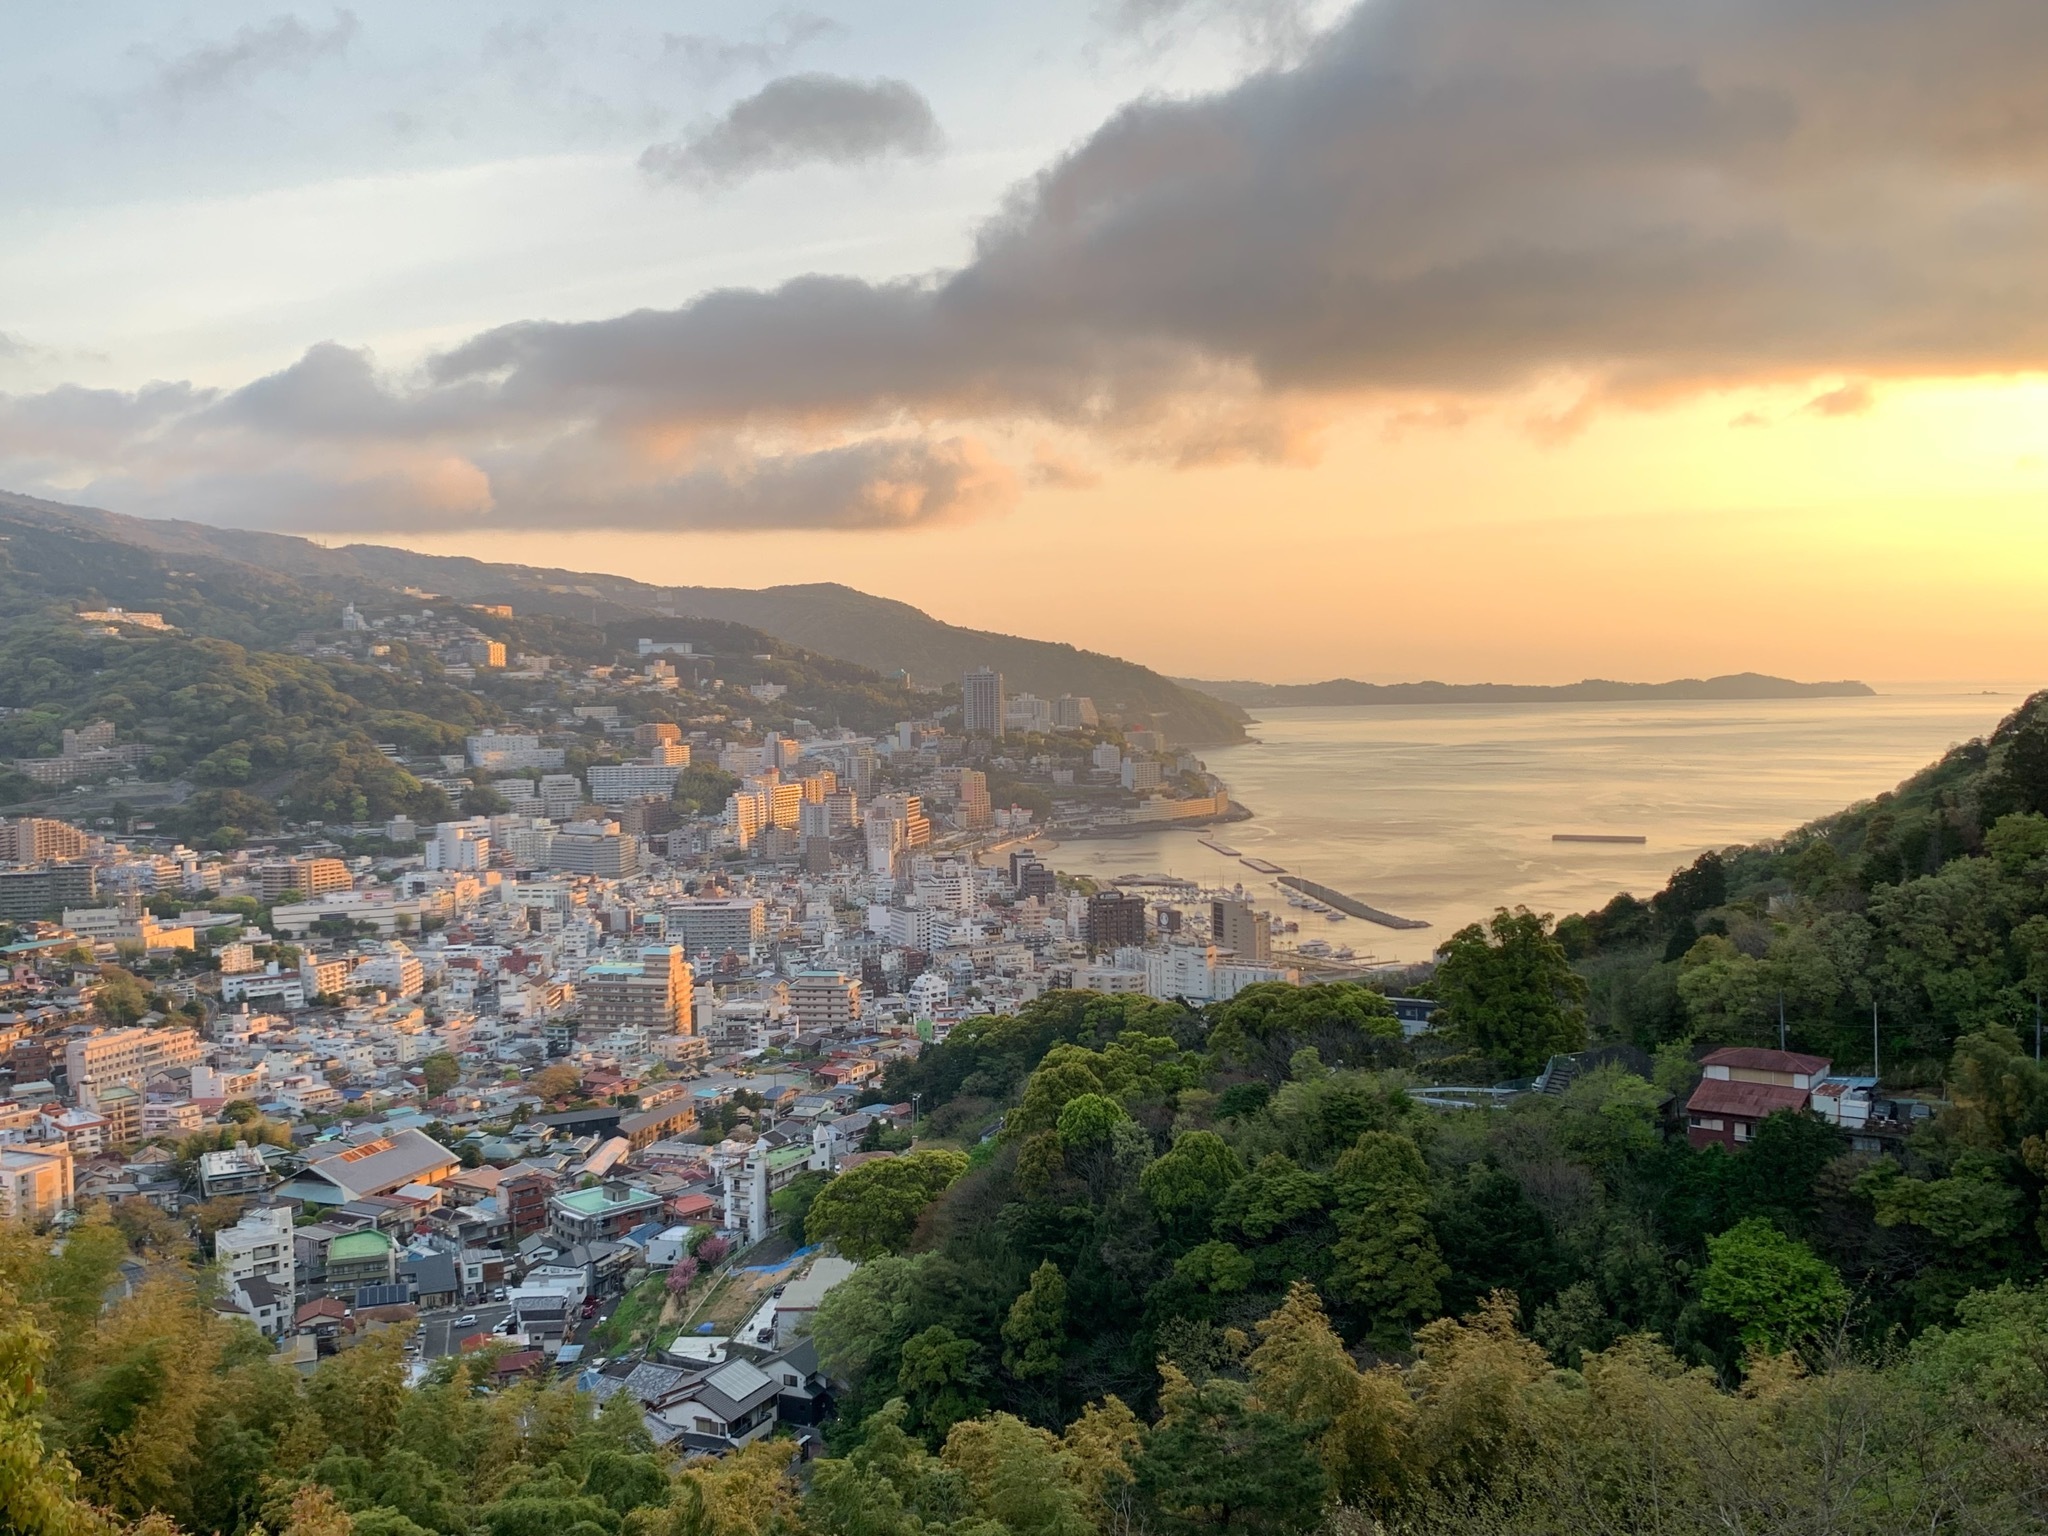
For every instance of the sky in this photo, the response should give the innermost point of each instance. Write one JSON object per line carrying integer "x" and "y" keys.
{"x": 1467, "y": 339}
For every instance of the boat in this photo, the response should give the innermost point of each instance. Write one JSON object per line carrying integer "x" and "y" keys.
{"x": 1343, "y": 952}
{"x": 1335, "y": 917}
{"x": 1316, "y": 947}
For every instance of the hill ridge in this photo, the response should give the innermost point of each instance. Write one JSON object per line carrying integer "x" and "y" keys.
{"x": 829, "y": 618}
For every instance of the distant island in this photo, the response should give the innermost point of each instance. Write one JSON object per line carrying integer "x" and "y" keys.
{"x": 1594, "y": 690}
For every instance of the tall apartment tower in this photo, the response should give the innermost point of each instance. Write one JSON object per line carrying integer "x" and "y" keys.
{"x": 650, "y": 995}
{"x": 1237, "y": 927}
{"x": 981, "y": 695}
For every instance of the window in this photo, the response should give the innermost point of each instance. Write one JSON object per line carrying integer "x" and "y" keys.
{"x": 1705, "y": 1122}
{"x": 1742, "y": 1130}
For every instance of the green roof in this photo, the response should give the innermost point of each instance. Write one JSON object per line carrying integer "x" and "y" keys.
{"x": 358, "y": 1245}
{"x": 595, "y": 1202}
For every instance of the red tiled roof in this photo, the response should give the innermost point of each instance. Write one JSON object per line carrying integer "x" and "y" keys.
{"x": 1750, "y": 1058}
{"x": 1745, "y": 1101}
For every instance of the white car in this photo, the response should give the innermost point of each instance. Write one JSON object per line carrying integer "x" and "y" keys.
{"x": 467, "y": 1320}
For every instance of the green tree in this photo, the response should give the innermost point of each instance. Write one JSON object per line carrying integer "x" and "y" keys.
{"x": 1035, "y": 1330}
{"x": 1265, "y": 1025}
{"x": 1216, "y": 1462}
{"x": 441, "y": 1071}
{"x": 38, "y": 1487}
{"x": 873, "y": 1209}
{"x": 1508, "y": 991}
{"x": 120, "y": 997}
{"x": 1360, "y": 1420}
{"x": 1089, "y": 1121}
{"x": 1184, "y": 1186}
{"x": 940, "y": 1377}
{"x": 1386, "y": 1261}
{"x": 792, "y": 1203}
{"x": 1774, "y": 1289}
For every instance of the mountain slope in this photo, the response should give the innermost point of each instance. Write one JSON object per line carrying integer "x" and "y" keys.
{"x": 825, "y": 617}
{"x": 1343, "y": 690}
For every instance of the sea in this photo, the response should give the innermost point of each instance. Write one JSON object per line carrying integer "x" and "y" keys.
{"x": 1446, "y": 812}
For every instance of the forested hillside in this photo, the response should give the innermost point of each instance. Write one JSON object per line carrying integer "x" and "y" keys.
{"x": 1928, "y": 904}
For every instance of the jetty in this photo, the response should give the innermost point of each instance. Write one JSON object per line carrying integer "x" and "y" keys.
{"x": 1264, "y": 866}
{"x": 1349, "y": 905}
{"x": 1598, "y": 837}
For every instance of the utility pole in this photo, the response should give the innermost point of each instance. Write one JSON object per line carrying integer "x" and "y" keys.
{"x": 1781, "y": 1018}
{"x": 2037, "y": 1026}
{"x": 1874, "y": 1072}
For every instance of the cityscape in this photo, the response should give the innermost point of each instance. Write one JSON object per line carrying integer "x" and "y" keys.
{"x": 1120, "y": 768}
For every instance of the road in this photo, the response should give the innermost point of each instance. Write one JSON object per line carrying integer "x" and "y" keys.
{"x": 439, "y": 1335}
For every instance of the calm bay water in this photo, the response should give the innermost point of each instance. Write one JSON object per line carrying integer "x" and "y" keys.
{"x": 1446, "y": 812}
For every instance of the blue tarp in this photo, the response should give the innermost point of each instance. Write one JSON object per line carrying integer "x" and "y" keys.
{"x": 769, "y": 1269}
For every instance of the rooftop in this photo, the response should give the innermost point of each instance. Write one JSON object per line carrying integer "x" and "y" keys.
{"x": 598, "y": 1199}
{"x": 1750, "y": 1058}
{"x": 1748, "y": 1101}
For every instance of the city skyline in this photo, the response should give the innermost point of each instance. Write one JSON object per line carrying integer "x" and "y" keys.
{"x": 1609, "y": 378}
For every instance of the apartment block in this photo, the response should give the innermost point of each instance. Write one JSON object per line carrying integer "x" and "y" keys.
{"x": 650, "y": 995}
{"x": 35, "y": 1181}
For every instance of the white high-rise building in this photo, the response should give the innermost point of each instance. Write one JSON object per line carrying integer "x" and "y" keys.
{"x": 464, "y": 845}
{"x": 981, "y": 699}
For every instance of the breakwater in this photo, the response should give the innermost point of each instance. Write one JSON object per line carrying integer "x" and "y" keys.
{"x": 1350, "y": 906}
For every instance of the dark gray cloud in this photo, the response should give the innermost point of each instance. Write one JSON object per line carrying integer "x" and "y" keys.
{"x": 800, "y": 120}
{"x": 1446, "y": 201}
{"x": 283, "y": 43}
{"x": 708, "y": 60}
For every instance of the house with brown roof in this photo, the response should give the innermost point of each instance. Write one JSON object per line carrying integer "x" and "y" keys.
{"x": 1745, "y": 1085}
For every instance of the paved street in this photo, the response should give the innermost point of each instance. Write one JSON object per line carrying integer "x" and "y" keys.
{"x": 439, "y": 1334}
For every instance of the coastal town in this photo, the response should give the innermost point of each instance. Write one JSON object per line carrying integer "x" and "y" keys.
{"x": 494, "y": 1077}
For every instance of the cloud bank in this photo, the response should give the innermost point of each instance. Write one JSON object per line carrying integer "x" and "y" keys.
{"x": 800, "y": 120}
{"x": 1444, "y": 200}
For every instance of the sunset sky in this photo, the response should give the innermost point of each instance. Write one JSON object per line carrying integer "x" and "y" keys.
{"x": 1472, "y": 339}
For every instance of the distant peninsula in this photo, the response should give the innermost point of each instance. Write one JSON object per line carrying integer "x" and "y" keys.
{"x": 1594, "y": 690}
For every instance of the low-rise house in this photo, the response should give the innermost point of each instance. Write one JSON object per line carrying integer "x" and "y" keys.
{"x": 1745, "y": 1085}
{"x": 729, "y": 1406}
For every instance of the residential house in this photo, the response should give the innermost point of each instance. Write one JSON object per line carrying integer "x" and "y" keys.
{"x": 1745, "y": 1085}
